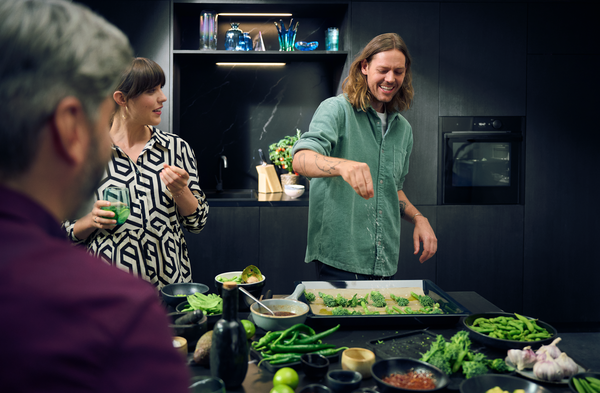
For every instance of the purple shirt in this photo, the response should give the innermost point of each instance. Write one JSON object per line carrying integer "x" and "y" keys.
{"x": 71, "y": 322}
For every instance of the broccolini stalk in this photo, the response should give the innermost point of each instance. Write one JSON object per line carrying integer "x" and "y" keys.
{"x": 328, "y": 300}
{"x": 341, "y": 301}
{"x": 402, "y": 301}
{"x": 425, "y": 300}
{"x": 310, "y": 297}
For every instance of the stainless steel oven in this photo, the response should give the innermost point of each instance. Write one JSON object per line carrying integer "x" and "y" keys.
{"x": 481, "y": 160}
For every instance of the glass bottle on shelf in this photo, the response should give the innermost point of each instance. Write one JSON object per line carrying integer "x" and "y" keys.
{"x": 233, "y": 36}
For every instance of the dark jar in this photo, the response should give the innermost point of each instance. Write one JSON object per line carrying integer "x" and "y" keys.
{"x": 229, "y": 350}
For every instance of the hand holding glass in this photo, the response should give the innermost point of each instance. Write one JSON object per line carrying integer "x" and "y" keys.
{"x": 119, "y": 202}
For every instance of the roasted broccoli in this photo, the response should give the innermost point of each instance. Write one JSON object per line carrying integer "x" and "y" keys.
{"x": 354, "y": 301}
{"x": 377, "y": 299}
{"x": 367, "y": 312}
{"x": 310, "y": 297}
{"x": 425, "y": 300}
{"x": 474, "y": 368}
{"x": 340, "y": 311}
{"x": 328, "y": 300}
{"x": 402, "y": 301}
{"x": 341, "y": 301}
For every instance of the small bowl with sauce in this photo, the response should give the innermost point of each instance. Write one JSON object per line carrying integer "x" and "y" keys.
{"x": 288, "y": 312}
{"x": 407, "y": 375}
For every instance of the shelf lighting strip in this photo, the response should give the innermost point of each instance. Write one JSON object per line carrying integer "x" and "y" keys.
{"x": 251, "y": 64}
{"x": 251, "y": 14}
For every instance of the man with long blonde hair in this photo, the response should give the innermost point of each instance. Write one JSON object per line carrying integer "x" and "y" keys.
{"x": 357, "y": 152}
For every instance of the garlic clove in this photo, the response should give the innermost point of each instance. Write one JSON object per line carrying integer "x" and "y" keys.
{"x": 551, "y": 349}
{"x": 521, "y": 359}
{"x": 547, "y": 369}
{"x": 568, "y": 365}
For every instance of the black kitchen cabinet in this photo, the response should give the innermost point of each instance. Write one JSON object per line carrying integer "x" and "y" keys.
{"x": 283, "y": 246}
{"x": 228, "y": 242}
{"x": 481, "y": 249}
{"x": 483, "y": 49}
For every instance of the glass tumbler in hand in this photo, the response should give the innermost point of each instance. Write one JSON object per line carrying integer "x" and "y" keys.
{"x": 119, "y": 202}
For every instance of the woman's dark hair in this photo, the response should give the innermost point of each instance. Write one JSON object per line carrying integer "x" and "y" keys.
{"x": 142, "y": 75}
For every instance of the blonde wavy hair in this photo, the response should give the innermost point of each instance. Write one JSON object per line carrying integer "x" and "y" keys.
{"x": 355, "y": 85}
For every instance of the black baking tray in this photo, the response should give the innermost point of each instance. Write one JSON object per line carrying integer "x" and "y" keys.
{"x": 453, "y": 310}
{"x": 404, "y": 345}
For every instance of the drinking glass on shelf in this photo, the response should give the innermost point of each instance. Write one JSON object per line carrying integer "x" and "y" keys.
{"x": 119, "y": 202}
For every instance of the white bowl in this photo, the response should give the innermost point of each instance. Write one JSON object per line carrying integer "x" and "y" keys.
{"x": 293, "y": 190}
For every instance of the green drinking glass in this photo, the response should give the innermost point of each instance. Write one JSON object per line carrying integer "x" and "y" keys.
{"x": 119, "y": 202}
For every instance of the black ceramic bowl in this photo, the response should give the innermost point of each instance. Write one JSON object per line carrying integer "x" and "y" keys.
{"x": 384, "y": 368}
{"x": 255, "y": 289}
{"x": 191, "y": 332}
{"x": 315, "y": 388}
{"x": 174, "y": 294}
{"x": 581, "y": 375}
{"x": 343, "y": 381}
{"x": 211, "y": 319}
{"x": 482, "y": 383}
{"x": 506, "y": 344}
{"x": 315, "y": 366}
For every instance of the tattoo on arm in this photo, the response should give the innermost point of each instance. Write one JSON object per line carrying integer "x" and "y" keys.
{"x": 402, "y": 208}
{"x": 328, "y": 165}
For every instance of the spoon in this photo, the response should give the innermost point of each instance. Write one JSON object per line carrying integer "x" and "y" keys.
{"x": 256, "y": 300}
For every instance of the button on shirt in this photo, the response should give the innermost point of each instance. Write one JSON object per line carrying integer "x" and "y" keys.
{"x": 345, "y": 230}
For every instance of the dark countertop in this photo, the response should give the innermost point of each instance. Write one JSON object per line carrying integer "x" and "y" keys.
{"x": 251, "y": 198}
{"x": 582, "y": 347}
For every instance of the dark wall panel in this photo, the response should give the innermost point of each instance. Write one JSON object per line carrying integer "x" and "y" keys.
{"x": 146, "y": 24}
{"x": 418, "y": 25}
{"x": 561, "y": 196}
{"x": 409, "y": 267}
{"x": 483, "y": 59}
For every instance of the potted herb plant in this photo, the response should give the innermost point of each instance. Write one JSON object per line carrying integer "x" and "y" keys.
{"x": 280, "y": 154}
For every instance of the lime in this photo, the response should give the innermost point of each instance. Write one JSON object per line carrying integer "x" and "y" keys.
{"x": 286, "y": 376}
{"x": 281, "y": 389}
{"x": 249, "y": 328}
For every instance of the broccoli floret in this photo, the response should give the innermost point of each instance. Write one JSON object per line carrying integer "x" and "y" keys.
{"x": 340, "y": 311}
{"x": 474, "y": 368}
{"x": 341, "y": 301}
{"x": 328, "y": 300}
{"x": 355, "y": 312}
{"x": 378, "y": 299}
{"x": 353, "y": 302}
{"x": 458, "y": 348}
{"x": 439, "y": 345}
{"x": 425, "y": 300}
{"x": 440, "y": 361}
{"x": 310, "y": 297}
{"x": 431, "y": 310}
{"x": 402, "y": 301}
{"x": 499, "y": 365}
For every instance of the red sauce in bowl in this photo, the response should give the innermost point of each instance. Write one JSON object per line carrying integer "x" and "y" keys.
{"x": 411, "y": 380}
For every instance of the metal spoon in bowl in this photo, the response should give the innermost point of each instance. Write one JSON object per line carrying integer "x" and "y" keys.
{"x": 256, "y": 300}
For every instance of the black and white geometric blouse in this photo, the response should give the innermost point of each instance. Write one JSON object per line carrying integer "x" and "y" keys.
{"x": 150, "y": 244}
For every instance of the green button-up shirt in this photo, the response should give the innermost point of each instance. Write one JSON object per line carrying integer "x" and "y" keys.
{"x": 344, "y": 230}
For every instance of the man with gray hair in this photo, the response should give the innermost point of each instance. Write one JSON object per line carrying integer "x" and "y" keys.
{"x": 71, "y": 322}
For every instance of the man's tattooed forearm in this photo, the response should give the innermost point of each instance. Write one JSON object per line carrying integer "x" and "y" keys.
{"x": 328, "y": 165}
{"x": 402, "y": 208}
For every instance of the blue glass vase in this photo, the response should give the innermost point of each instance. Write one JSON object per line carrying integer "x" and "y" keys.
{"x": 233, "y": 38}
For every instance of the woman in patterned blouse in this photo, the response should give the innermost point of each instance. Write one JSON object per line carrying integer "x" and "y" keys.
{"x": 159, "y": 169}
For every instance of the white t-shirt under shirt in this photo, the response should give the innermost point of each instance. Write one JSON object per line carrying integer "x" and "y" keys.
{"x": 383, "y": 117}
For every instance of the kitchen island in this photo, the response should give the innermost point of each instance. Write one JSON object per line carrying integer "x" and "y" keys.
{"x": 583, "y": 347}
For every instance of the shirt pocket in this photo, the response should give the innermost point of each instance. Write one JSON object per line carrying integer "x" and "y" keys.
{"x": 399, "y": 163}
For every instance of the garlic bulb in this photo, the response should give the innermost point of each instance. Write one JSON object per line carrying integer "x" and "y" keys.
{"x": 547, "y": 369}
{"x": 521, "y": 359}
{"x": 551, "y": 349}
{"x": 567, "y": 364}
